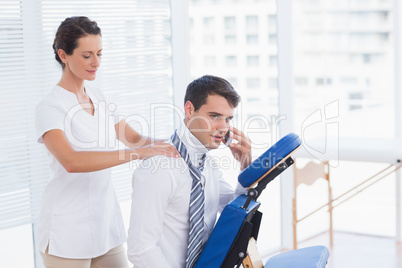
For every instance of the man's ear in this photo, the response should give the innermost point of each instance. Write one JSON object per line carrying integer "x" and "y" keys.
{"x": 189, "y": 109}
{"x": 62, "y": 55}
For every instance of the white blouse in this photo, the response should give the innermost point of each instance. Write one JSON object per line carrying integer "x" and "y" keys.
{"x": 80, "y": 215}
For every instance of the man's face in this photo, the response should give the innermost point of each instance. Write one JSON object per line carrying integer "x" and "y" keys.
{"x": 211, "y": 122}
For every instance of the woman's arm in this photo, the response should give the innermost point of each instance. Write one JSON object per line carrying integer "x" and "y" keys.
{"x": 88, "y": 161}
{"x": 131, "y": 138}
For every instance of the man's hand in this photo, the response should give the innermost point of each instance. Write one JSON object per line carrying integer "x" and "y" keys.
{"x": 241, "y": 150}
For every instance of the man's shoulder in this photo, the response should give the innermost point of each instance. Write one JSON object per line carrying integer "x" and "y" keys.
{"x": 161, "y": 164}
{"x": 160, "y": 172}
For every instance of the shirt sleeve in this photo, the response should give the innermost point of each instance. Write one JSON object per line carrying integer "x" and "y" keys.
{"x": 47, "y": 117}
{"x": 152, "y": 189}
{"x": 227, "y": 193}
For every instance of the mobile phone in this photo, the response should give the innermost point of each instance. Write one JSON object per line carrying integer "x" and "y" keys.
{"x": 228, "y": 139}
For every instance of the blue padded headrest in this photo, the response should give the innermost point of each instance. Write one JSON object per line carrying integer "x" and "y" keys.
{"x": 269, "y": 159}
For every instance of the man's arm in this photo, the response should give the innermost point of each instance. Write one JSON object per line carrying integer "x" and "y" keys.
{"x": 152, "y": 188}
{"x": 242, "y": 153}
{"x": 226, "y": 191}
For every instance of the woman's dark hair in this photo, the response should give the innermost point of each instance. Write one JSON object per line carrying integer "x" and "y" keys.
{"x": 68, "y": 33}
{"x": 197, "y": 91}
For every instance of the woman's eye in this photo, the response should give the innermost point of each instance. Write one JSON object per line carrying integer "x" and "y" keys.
{"x": 100, "y": 55}
{"x": 86, "y": 57}
{"x": 215, "y": 116}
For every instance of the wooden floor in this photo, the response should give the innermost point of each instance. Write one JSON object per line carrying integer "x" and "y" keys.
{"x": 359, "y": 251}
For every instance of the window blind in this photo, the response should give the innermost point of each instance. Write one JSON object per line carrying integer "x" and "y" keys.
{"x": 136, "y": 72}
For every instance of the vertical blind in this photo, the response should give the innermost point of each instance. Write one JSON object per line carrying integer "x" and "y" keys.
{"x": 136, "y": 72}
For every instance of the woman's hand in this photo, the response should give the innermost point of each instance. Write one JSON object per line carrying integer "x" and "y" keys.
{"x": 158, "y": 148}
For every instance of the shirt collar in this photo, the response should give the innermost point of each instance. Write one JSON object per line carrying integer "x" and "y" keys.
{"x": 194, "y": 147}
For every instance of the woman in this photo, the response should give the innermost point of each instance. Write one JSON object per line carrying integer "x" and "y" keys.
{"x": 80, "y": 224}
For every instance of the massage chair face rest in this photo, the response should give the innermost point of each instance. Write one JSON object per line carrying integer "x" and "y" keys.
{"x": 269, "y": 159}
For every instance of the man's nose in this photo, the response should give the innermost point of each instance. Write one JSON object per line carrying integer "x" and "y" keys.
{"x": 223, "y": 126}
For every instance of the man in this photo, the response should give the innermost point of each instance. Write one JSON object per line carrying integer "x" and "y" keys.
{"x": 175, "y": 201}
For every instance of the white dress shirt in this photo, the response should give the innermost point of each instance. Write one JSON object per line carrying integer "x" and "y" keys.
{"x": 80, "y": 216}
{"x": 159, "y": 224}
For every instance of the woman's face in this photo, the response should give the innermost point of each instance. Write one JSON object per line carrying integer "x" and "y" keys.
{"x": 86, "y": 58}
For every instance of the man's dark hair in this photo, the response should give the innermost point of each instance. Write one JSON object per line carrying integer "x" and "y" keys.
{"x": 198, "y": 91}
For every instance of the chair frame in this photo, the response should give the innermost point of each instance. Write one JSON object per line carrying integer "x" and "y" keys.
{"x": 309, "y": 174}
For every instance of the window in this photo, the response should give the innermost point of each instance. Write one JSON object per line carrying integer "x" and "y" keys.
{"x": 348, "y": 81}
{"x": 253, "y": 61}
{"x": 253, "y": 101}
{"x": 209, "y": 39}
{"x": 367, "y": 58}
{"x": 252, "y": 23}
{"x": 253, "y": 83}
{"x": 272, "y": 40}
{"x": 273, "y": 61}
{"x": 136, "y": 59}
{"x": 273, "y": 83}
{"x": 210, "y": 61}
{"x": 320, "y": 81}
{"x": 252, "y": 39}
{"x": 351, "y": 44}
{"x": 230, "y": 23}
{"x": 191, "y": 24}
{"x": 301, "y": 81}
{"x": 234, "y": 82}
{"x": 230, "y": 61}
{"x": 230, "y": 39}
{"x": 272, "y": 22}
{"x": 209, "y": 23}
{"x": 347, "y": 52}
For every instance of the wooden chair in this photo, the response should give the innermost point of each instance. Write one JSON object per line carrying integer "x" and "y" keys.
{"x": 308, "y": 175}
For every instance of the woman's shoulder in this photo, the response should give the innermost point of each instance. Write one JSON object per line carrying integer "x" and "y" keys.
{"x": 53, "y": 99}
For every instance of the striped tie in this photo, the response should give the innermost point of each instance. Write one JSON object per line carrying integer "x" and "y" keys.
{"x": 196, "y": 234}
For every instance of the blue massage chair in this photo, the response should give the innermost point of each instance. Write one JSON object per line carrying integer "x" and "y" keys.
{"x": 227, "y": 247}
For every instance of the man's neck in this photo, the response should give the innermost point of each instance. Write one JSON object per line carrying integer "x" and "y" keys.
{"x": 192, "y": 143}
